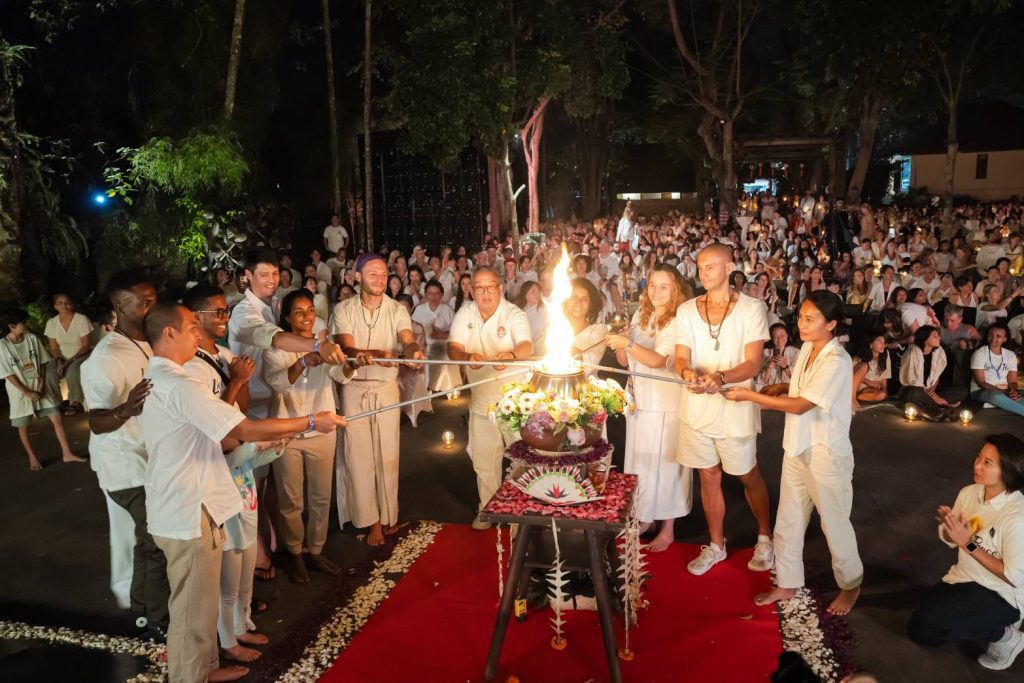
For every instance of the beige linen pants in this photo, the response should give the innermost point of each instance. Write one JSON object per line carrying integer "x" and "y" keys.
{"x": 486, "y": 449}
{"x": 193, "y": 571}
{"x": 303, "y": 473}
{"x": 816, "y": 479}
{"x": 371, "y": 452}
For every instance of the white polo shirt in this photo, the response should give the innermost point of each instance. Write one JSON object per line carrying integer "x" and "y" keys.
{"x": 110, "y": 372}
{"x": 712, "y": 414}
{"x": 828, "y": 384}
{"x": 1000, "y": 524}
{"x": 251, "y": 331}
{"x": 183, "y": 424}
{"x": 507, "y": 327}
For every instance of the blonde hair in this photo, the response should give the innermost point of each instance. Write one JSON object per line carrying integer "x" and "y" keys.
{"x": 682, "y": 294}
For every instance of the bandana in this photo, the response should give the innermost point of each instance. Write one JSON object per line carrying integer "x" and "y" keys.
{"x": 366, "y": 258}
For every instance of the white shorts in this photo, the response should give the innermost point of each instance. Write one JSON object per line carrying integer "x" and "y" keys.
{"x": 737, "y": 456}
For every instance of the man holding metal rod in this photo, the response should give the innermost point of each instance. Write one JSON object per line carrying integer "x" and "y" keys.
{"x": 373, "y": 328}
{"x": 488, "y": 328}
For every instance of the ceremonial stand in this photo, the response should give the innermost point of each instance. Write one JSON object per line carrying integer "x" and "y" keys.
{"x": 599, "y": 523}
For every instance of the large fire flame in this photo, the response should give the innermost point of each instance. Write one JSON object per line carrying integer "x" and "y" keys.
{"x": 558, "y": 360}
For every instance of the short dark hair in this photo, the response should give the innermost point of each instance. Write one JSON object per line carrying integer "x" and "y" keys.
{"x": 289, "y": 301}
{"x": 159, "y": 318}
{"x": 126, "y": 280}
{"x": 195, "y": 298}
{"x": 433, "y": 282}
{"x": 922, "y": 334}
{"x": 1011, "y": 459}
{"x": 13, "y": 316}
{"x": 258, "y": 255}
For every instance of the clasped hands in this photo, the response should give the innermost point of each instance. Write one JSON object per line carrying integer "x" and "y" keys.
{"x": 954, "y": 526}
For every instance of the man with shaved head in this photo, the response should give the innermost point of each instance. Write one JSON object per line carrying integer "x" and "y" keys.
{"x": 720, "y": 340}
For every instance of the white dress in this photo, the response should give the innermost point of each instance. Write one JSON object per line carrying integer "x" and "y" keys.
{"x": 665, "y": 486}
{"x": 438, "y": 377}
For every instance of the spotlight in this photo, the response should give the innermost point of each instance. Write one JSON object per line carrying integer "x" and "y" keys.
{"x": 99, "y": 198}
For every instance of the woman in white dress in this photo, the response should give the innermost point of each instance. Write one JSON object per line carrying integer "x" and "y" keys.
{"x": 648, "y": 346}
{"x": 583, "y": 308}
{"x": 70, "y": 337}
{"x": 531, "y": 300}
{"x": 436, "y": 318}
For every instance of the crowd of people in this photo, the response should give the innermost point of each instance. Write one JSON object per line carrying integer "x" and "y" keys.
{"x": 798, "y": 307}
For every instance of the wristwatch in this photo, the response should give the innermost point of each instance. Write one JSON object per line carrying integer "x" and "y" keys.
{"x": 971, "y": 547}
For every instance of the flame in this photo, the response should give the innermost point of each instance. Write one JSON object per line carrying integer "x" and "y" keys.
{"x": 558, "y": 360}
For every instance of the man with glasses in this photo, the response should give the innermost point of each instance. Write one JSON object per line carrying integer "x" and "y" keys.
{"x": 487, "y": 328}
{"x": 226, "y": 374}
{"x": 373, "y": 328}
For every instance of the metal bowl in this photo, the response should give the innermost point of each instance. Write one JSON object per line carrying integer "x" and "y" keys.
{"x": 562, "y": 385}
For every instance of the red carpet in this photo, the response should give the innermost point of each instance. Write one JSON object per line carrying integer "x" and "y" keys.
{"x": 436, "y": 625}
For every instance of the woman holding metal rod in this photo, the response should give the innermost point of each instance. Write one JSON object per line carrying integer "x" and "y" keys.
{"x": 817, "y": 470}
{"x": 665, "y": 486}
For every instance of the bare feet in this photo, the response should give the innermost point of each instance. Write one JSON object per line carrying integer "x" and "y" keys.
{"x": 844, "y": 602}
{"x": 664, "y": 538}
{"x": 773, "y": 596}
{"x": 71, "y": 457}
{"x": 253, "y": 639}
{"x": 375, "y": 536}
{"x": 227, "y": 673}
{"x": 241, "y": 654}
{"x": 34, "y": 464}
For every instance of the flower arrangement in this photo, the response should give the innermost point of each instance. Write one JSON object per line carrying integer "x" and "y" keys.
{"x": 523, "y": 408}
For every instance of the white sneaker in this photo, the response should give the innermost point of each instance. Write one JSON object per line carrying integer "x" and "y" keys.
{"x": 764, "y": 555}
{"x": 1000, "y": 654}
{"x": 710, "y": 555}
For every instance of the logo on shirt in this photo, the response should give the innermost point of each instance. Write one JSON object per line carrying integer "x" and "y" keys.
{"x": 501, "y": 332}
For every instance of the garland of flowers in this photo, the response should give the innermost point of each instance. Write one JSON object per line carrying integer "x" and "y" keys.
{"x": 802, "y": 632}
{"x": 154, "y": 652}
{"x": 519, "y": 450}
{"x": 631, "y": 571}
{"x": 557, "y": 581}
{"x": 336, "y": 634}
{"x": 501, "y": 563}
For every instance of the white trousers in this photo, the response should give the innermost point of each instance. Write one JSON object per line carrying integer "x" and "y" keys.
{"x": 234, "y": 615}
{"x": 816, "y": 479}
{"x": 665, "y": 488}
{"x": 122, "y": 551}
{"x": 486, "y": 448}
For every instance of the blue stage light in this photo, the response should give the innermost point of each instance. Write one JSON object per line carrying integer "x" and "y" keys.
{"x": 99, "y": 198}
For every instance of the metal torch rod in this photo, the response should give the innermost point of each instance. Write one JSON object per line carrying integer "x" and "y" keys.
{"x": 523, "y": 362}
{"x": 633, "y": 373}
{"x": 396, "y": 406}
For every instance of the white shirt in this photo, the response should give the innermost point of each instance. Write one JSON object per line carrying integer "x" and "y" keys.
{"x": 324, "y": 274}
{"x": 251, "y": 332}
{"x": 711, "y": 413}
{"x": 335, "y": 237}
{"x": 200, "y": 369}
{"x": 880, "y": 295}
{"x": 996, "y": 366}
{"x": 313, "y": 391}
{"x": 652, "y": 395}
{"x": 69, "y": 341}
{"x": 183, "y": 425}
{"x": 828, "y": 384}
{"x": 1000, "y": 533}
{"x": 113, "y": 368}
{"x": 911, "y": 313}
{"x": 503, "y": 331}
{"x": 373, "y": 330}
{"x": 611, "y": 265}
{"x": 538, "y": 319}
{"x": 439, "y": 319}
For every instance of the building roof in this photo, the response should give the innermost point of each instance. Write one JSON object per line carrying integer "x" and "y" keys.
{"x": 981, "y": 127}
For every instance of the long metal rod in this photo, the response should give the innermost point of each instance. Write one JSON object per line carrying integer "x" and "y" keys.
{"x": 633, "y": 373}
{"x": 525, "y": 362}
{"x": 395, "y": 406}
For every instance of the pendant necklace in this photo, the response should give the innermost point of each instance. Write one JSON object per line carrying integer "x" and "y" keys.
{"x": 713, "y": 330}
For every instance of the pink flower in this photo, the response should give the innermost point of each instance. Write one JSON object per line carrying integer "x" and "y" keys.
{"x": 577, "y": 436}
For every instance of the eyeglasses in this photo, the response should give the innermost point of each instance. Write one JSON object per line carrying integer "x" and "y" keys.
{"x": 493, "y": 289}
{"x": 218, "y": 312}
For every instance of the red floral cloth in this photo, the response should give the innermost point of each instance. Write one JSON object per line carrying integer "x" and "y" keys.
{"x": 613, "y": 507}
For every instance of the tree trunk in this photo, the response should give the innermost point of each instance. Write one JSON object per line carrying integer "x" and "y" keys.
{"x": 499, "y": 193}
{"x": 727, "y": 173}
{"x": 367, "y": 128}
{"x": 592, "y": 155}
{"x": 533, "y": 131}
{"x": 952, "y": 149}
{"x": 332, "y": 112}
{"x": 868, "y": 127}
{"x": 234, "y": 58}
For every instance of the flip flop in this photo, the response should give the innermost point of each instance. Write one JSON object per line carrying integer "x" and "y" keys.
{"x": 265, "y": 573}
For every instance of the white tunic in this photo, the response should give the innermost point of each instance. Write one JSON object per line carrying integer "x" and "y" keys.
{"x": 69, "y": 340}
{"x": 828, "y": 384}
